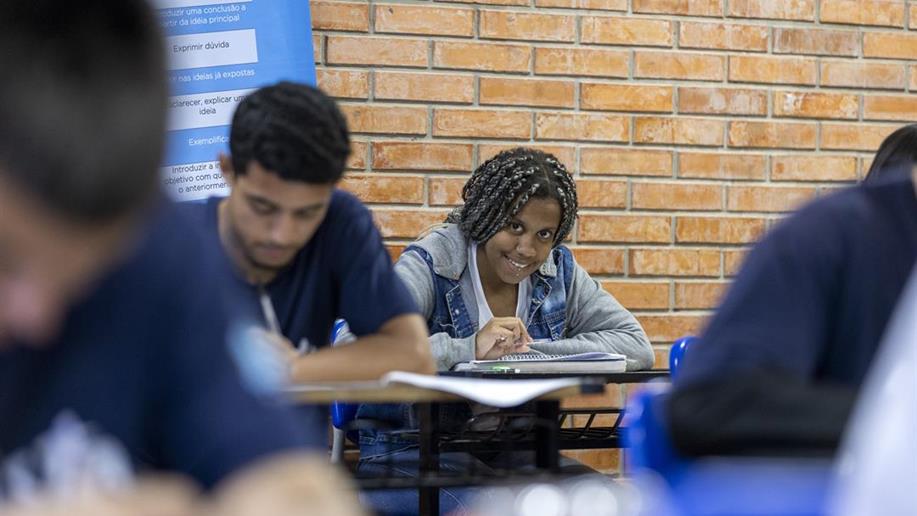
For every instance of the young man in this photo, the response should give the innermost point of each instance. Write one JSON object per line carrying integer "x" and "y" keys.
{"x": 112, "y": 329}
{"x": 305, "y": 251}
{"x": 780, "y": 365}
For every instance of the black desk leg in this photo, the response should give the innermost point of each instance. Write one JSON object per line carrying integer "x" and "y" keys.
{"x": 547, "y": 434}
{"x": 429, "y": 457}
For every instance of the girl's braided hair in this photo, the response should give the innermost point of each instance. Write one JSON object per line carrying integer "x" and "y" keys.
{"x": 502, "y": 185}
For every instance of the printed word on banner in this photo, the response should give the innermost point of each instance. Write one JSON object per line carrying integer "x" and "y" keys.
{"x": 219, "y": 52}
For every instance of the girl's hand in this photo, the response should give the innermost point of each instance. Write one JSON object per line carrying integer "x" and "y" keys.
{"x": 501, "y": 336}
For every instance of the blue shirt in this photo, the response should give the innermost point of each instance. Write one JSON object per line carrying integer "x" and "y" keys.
{"x": 143, "y": 361}
{"x": 343, "y": 271}
{"x": 815, "y": 295}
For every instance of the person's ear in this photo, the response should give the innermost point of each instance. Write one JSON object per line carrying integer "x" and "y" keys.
{"x": 229, "y": 174}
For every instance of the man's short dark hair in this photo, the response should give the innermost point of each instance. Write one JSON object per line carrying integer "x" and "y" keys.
{"x": 292, "y": 130}
{"x": 82, "y": 104}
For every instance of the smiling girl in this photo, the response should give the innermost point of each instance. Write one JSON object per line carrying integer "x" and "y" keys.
{"x": 496, "y": 279}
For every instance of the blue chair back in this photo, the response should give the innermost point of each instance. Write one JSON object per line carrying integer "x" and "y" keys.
{"x": 646, "y": 437}
{"x": 678, "y": 351}
{"x": 341, "y": 413}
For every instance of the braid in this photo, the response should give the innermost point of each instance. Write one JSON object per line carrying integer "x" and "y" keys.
{"x": 499, "y": 188}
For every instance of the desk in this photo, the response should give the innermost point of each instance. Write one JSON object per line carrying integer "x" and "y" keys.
{"x": 427, "y": 401}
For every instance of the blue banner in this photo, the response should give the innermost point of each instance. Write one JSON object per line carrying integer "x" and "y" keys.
{"x": 219, "y": 52}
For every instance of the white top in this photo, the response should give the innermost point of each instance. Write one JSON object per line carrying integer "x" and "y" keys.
{"x": 523, "y": 296}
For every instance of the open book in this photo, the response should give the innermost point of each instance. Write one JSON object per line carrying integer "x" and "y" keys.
{"x": 536, "y": 362}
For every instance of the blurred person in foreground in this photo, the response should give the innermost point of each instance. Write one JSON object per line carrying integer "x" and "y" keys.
{"x": 779, "y": 367}
{"x": 113, "y": 321}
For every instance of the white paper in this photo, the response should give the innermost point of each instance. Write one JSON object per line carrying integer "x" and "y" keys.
{"x": 494, "y": 393}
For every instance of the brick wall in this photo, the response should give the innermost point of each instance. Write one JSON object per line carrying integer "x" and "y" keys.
{"x": 691, "y": 125}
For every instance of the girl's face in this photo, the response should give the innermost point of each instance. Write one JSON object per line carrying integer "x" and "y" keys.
{"x": 519, "y": 249}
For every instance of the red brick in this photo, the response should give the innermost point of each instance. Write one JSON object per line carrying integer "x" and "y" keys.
{"x": 773, "y": 9}
{"x": 398, "y": 223}
{"x": 890, "y": 44}
{"x": 385, "y": 119}
{"x": 767, "y": 198}
{"x": 625, "y": 162}
{"x": 446, "y": 191}
{"x": 674, "y": 262}
{"x": 816, "y": 42}
{"x": 416, "y": 19}
{"x": 681, "y": 7}
{"x": 482, "y": 123}
{"x": 718, "y": 230}
{"x": 581, "y": 61}
{"x": 490, "y": 2}
{"x": 814, "y": 168}
{"x": 488, "y": 57}
{"x": 626, "y": 31}
{"x": 913, "y": 72}
{"x": 723, "y": 36}
{"x": 683, "y": 131}
{"x": 339, "y": 16}
{"x": 667, "y": 65}
{"x": 721, "y": 166}
{"x": 733, "y": 259}
{"x": 772, "y": 70}
{"x": 675, "y": 196}
{"x": 888, "y": 107}
{"x": 804, "y": 104}
{"x": 582, "y": 126}
{"x": 860, "y": 75}
{"x": 394, "y": 251}
{"x": 624, "y": 228}
{"x": 377, "y": 51}
{"x": 565, "y": 154}
{"x": 862, "y": 137}
{"x": 421, "y": 156}
{"x": 772, "y": 135}
{"x": 380, "y": 188}
{"x": 600, "y": 260}
{"x": 605, "y": 5}
{"x": 636, "y": 295}
{"x": 343, "y": 83}
{"x": 696, "y": 295}
{"x": 626, "y": 97}
{"x": 722, "y": 101}
{"x": 863, "y": 12}
{"x": 357, "y": 159}
{"x": 526, "y": 92}
{"x": 668, "y": 328}
{"x": 598, "y": 193}
{"x": 606, "y": 462}
{"x": 432, "y": 87}
{"x": 527, "y": 26}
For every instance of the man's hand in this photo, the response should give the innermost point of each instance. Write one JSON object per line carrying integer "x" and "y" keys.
{"x": 501, "y": 336}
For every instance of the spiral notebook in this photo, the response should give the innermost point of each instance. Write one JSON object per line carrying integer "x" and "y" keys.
{"x": 535, "y": 362}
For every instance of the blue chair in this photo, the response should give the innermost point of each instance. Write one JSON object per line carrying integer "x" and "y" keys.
{"x": 677, "y": 353}
{"x": 741, "y": 486}
{"x": 342, "y": 414}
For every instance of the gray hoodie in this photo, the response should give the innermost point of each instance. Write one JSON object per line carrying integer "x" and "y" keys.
{"x": 595, "y": 321}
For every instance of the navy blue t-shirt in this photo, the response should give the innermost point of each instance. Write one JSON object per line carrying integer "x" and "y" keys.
{"x": 143, "y": 361}
{"x": 343, "y": 271}
{"x": 815, "y": 295}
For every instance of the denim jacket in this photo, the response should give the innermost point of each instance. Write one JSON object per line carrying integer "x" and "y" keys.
{"x": 568, "y": 307}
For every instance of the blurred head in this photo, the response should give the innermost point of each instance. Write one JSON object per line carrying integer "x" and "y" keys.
{"x": 82, "y": 110}
{"x": 288, "y": 147}
{"x": 520, "y": 204}
{"x": 896, "y": 156}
